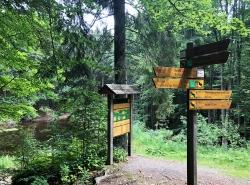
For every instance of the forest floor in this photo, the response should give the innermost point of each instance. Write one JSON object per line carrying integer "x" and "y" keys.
{"x": 140, "y": 170}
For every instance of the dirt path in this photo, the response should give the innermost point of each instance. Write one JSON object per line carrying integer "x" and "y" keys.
{"x": 141, "y": 170}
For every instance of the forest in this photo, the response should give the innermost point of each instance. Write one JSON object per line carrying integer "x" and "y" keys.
{"x": 55, "y": 55}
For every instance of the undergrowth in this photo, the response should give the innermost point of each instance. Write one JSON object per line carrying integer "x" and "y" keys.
{"x": 7, "y": 162}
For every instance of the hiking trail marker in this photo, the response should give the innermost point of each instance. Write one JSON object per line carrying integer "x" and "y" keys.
{"x": 178, "y": 83}
{"x": 120, "y": 117}
{"x": 190, "y": 78}
{"x": 209, "y": 99}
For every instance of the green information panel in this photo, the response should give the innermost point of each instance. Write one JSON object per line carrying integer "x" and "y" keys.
{"x": 121, "y": 115}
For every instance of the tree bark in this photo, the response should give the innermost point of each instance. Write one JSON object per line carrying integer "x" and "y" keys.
{"x": 119, "y": 55}
{"x": 119, "y": 42}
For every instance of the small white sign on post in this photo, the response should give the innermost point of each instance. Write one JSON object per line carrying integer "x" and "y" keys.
{"x": 200, "y": 73}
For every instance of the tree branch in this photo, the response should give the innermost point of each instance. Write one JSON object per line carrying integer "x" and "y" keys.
{"x": 177, "y": 9}
{"x": 1, "y": 88}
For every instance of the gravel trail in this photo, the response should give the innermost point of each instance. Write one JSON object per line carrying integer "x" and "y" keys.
{"x": 139, "y": 170}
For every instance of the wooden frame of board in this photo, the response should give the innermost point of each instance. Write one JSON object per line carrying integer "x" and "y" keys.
{"x": 120, "y": 111}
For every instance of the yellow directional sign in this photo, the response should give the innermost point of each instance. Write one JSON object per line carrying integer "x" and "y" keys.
{"x": 178, "y": 83}
{"x": 209, "y": 94}
{"x": 178, "y": 72}
{"x": 209, "y": 104}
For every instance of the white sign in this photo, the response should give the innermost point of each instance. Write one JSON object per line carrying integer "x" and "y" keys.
{"x": 200, "y": 73}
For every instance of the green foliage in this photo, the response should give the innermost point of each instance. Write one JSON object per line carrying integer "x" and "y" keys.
{"x": 157, "y": 143}
{"x": 9, "y": 140}
{"x": 198, "y": 15}
{"x": 71, "y": 151}
{"x": 7, "y": 162}
{"x": 27, "y": 150}
{"x": 119, "y": 155}
{"x": 65, "y": 174}
{"x": 208, "y": 134}
{"x": 39, "y": 181}
{"x": 20, "y": 58}
{"x": 230, "y": 132}
{"x": 212, "y": 134}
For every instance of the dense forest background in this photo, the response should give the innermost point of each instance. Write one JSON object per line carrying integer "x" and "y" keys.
{"x": 54, "y": 58}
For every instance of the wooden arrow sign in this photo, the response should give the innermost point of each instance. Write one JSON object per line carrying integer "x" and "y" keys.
{"x": 207, "y": 48}
{"x": 213, "y": 53}
{"x": 209, "y": 104}
{"x": 178, "y": 72}
{"x": 209, "y": 94}
{"x": 178, "y": 83}
{"x": 203, "y": 60}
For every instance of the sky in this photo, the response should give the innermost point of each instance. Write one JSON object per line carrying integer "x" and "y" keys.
{"x": 108, "y": 20}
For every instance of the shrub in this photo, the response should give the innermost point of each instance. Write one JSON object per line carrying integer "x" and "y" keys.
{"x": 40, "y": 181}
{"x": 207, "y": 134}
{"x": 230, "y": 132}
{"x": 70, "y": 152}
{"x": 120, "y": 155}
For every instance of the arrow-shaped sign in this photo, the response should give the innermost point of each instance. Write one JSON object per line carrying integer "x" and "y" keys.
{"x": 209, "y": 104}
{"x": 178, "y": 83}
{"x": 213, "y": 53}
{"x": 175, "y": 72}
{"x": 209, "y": 94}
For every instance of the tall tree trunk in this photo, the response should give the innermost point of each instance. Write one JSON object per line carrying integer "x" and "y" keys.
{"x": 119, "y": 39}
{"x": 119, "y": 55}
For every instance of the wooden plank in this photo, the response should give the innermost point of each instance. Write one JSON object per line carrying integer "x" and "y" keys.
{"x": 209, "y": 104}
{"x": 176, "y": 72}
{"x": 177, "y": 83}
{"x": 209, "y": 94}
{"x": 203, "y": 60}
{"x": 121, "y": 130}
{"x": 121, "y": 106}
{"x": 207, "y": 48}
{"x": 120, "y": 123}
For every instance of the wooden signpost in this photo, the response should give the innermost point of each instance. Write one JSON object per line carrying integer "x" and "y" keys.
{"x": 190, "y": 78}
{"x": 209, "y": 99}
{"x": 178, "y": 83}
{"x": 213, "y": 53}
{"x": 209, "y": 104}
{"x": 178, "y": 72}
{"x": 209, "y": 95}
{"x": 119, "y": 114}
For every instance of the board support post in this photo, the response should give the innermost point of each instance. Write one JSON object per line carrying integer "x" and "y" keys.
{"x": 131, "y": 98}
{"x": 110, "y": 129}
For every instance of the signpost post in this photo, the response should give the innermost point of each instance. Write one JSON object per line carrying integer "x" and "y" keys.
{"x": 190, "y": 78}
{"x": 191, "y": 131}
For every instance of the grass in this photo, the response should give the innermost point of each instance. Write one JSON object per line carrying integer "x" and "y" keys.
{"x": 233, "y": 162}
{"x": 7, "y": 162}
